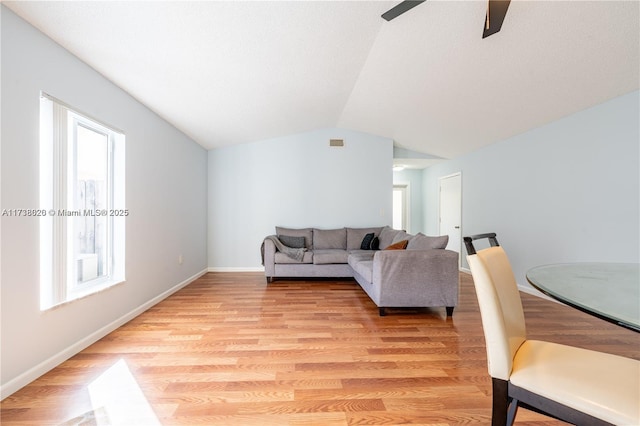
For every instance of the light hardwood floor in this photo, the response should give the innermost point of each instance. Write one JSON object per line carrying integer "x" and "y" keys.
{"x": 231, "y": 350}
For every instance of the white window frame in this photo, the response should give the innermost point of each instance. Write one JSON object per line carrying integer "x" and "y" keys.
{"x": 75, "y": 120}
{"x": 58, "y": 172}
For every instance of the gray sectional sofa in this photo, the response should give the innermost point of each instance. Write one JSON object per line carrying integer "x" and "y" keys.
{"x": 422, "y": 274}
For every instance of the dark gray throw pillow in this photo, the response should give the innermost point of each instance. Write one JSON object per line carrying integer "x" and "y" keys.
{"x": 290, "y": 241}
{"x": 366, "y": 241}
{"x": 375, "y": 244}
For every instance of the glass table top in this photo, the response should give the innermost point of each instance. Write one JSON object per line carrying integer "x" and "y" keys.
{"x": 610, "y": 291}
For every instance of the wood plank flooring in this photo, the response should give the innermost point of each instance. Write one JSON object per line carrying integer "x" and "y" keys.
{"x": 231, "y": 350}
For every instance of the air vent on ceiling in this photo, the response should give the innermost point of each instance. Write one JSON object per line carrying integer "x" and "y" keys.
{"x": 336, "y": 142}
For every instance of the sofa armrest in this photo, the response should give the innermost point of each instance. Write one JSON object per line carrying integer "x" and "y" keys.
{"x": 416, "y": 277}
{"x": 269, "y": 258}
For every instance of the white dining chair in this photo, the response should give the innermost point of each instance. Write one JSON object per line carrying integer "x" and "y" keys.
{"x": 572, "y": 384}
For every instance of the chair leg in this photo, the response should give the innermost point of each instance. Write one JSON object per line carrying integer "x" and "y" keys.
{"x": 382, "y": 312}
{"x": 511, "y": 414}
{"x": 450, "y": 311}
{"x": 500, "y": 402}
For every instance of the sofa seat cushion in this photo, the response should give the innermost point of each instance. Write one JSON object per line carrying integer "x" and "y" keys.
{"x": 364, "y": 268}
{"x": 356, "y": 256}
{"x": 322, "y": 257}
{"x": 324, "y": 239}
{"x": 283, "y": 258}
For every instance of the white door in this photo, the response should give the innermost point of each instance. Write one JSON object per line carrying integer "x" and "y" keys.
{"x": 451, "y": 211}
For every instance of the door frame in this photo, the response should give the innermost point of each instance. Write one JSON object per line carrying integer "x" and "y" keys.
{"x": 406, "y": 204}
{"x": 440, "y": 179}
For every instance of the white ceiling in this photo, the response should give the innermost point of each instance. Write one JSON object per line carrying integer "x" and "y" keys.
{"x": 235, "y": 72}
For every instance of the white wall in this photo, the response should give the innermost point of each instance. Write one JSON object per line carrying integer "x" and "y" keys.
{"x": 565, "y": 192}
{"x": 166, "y": 181}
{"x": 294, "y": 181}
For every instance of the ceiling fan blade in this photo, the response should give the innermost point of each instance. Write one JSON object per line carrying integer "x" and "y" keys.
{"x": 496, "y": 11}
{"x": 401, "y": 8}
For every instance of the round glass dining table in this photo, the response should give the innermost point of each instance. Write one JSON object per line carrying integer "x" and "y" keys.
{"x": 610, "y": 291}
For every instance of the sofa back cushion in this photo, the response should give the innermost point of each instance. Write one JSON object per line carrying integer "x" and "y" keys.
{"x": 424, "y": 242}
{"x": 356, "y": 235}
{"x": 329, "y": 239}
{"x": 387, "y": 234}
{"x": 401, "y": 236}
{"x": 400, "y": 245}
{"x": 307, "y": 233}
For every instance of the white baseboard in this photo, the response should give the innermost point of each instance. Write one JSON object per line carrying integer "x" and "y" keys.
{"x": 33, "y": 373}
{"x": 235, "y": 269}
{"x": 522, "y": 288}
{"x": 534, "y": 292}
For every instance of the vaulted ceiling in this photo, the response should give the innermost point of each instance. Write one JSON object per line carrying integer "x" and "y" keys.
{"x": 235, "y": 72}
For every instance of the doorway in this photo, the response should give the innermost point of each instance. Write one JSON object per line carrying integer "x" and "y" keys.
{"x": 401, "y": 206}
{"x": 450, "y": 220}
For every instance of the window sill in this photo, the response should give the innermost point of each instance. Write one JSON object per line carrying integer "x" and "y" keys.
{"x": 84, "y": 293}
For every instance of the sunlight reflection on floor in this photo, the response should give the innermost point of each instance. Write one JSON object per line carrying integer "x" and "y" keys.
{"x": 117, "y": 393}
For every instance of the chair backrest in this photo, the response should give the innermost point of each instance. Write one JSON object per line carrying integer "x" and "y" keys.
{"x": 500, "y": 308}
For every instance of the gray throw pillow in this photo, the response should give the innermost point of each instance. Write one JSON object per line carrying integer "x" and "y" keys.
{"x": 291, "y": 241}
{"x": 307, "y": 233}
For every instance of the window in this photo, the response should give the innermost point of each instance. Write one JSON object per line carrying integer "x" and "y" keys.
{"x": 82, "y": 203}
